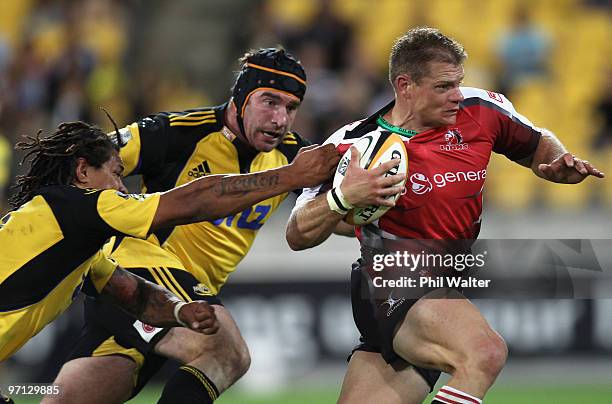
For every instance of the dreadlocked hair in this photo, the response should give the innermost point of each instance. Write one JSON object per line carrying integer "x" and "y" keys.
{"x": 53, "y": 158}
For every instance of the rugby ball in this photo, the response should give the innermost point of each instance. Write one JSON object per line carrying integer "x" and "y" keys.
{"x": 375, "y": 148}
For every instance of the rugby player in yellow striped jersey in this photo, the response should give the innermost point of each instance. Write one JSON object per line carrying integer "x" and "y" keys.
{"x": 69, "y": 204}
{"x": 250, "y": 133}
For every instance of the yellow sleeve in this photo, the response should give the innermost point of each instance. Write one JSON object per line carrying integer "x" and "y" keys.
{"x": 102, "y": 268}
{"x": 130, "y": 214}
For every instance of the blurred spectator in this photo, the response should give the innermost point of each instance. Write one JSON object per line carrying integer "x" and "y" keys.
{"x": 605, "y": 5}
{"x": 523, "y": 52}
{"x": 68, "y": 74}
{"x": 5, "y": 54}
{"x": 321, "y": 101}
{"x": 331, "y": 32}
{"x": 603, "y": 109}
{"x": 25, "y": 93}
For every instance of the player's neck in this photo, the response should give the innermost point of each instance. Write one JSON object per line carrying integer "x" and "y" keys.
{"x": 405, "y": 119}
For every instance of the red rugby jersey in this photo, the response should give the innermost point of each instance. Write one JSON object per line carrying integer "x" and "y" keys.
{"x": 447, "y": 167}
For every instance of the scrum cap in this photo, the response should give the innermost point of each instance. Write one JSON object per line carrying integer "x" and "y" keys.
{"x": 268, "y": 68}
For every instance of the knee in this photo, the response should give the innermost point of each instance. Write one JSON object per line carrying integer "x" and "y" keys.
{"x": 242, "y": 360}
{"x": 232, "y": 355}
{"x": 489, "y": 356}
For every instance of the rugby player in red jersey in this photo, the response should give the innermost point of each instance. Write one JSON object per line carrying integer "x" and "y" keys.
{"x": 450, "y": 132}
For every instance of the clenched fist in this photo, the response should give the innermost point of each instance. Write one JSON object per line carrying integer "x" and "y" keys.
{"x": 199, "y": 316}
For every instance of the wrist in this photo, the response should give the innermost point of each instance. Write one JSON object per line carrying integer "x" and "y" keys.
{"x": 337, "y": 202}
{"x": 288, "y": 178}
{"x": 177, "y": 308}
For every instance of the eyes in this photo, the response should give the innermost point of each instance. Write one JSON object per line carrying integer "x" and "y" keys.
{"x": 447, "y": 86}
{"x": 274, "y": 103}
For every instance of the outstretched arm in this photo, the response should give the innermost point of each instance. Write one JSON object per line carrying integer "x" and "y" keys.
{"x": 554, "y": 163}
{"x": 218, "y": 196}
{"x": 313, "y": 222}
{"x": 156, "y": 306}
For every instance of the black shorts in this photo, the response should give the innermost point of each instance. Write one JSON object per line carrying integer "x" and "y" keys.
{"x": 108, "y": 330}
{"x": 377, "y": 322}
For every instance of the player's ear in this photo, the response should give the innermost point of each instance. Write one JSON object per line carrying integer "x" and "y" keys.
{"x": 403, "y": 85}
{"x": 81, "y": 171}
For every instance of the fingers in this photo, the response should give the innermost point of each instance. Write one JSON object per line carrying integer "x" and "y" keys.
{"x": 355, "y": 156}
{"x": 306, "y": 148}
{"x": 202, "y": 318}
{"x": 580, "y": 167}
{"x": 384, "y": 202}
{"x": 588, "y": 169}
{"x": 327, "y": 148}
{"x": 568, "y": 159}
{"x": 208, "y": 326}
{"x": 545, "y": 169}
{"x": 392, "y": 180}
{"x": 386, "y": 166}
{"x": 593, "y": 171}
{"x": 334, "y": 155}
{"x": 394, "y": 190}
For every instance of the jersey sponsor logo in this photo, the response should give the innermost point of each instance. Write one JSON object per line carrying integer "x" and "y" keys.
{"x": 392, "y": 303}
{"x": 147, "y": 328}
{"x": 454, "y": 141}
{"x": 200, "y": 170}
{"x": 496, "y": 96}
{"x": 202, "y": 290}
{"x": 243, "y": 222}
{"x": 422, "y": 184}
{"x": 146, "y": 331}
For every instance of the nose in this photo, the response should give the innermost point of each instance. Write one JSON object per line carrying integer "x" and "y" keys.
{"x": 281, "y": 117}
{"x": 456, "y": 95}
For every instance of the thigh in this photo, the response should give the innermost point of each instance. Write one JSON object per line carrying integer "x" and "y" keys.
{"x": 216, "y": 355}
{"x": 111, "y": 332}
{"x": 376, "y": 327}
{"x": 104, "y": 380}
{"x": 439, "y": 331}
{"x": 370, "y": 379}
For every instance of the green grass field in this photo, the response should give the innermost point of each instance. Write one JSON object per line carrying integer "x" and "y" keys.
{"x": 565, "y": 394}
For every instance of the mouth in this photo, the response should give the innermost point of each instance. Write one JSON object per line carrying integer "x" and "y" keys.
{"x": 451, "y": 112}
{"x": 271, "y": 135}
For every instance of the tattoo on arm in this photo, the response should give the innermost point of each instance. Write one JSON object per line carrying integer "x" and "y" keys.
{"x": 238, "y": 185}
{"x": 146, "y": 301}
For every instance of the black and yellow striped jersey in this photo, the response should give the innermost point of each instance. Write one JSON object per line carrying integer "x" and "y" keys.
{"x": 51, "y": 249}
{"x": 172, "y": 149}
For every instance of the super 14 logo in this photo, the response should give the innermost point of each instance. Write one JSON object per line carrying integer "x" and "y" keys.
{"x": 242, "y": 218}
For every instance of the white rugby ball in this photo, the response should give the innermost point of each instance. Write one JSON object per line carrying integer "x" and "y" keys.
{"x": 375, "y": 148}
